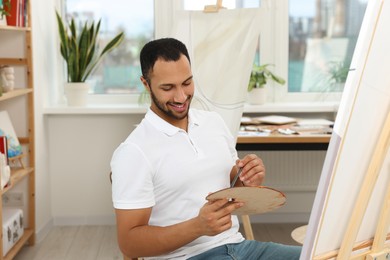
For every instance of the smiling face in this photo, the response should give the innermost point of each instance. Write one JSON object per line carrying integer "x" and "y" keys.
{"x": 171, "y": 88}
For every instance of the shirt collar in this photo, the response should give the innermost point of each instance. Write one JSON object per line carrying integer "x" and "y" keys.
{"x": 166, "y": 127}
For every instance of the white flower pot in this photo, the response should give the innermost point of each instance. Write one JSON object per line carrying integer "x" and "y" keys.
{"x": 257, "y": 96}
{"x": 3, "y": 21}
{"x": 76, "y": 93}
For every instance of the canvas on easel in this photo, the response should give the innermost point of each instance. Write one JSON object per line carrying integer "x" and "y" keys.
{"x": 350, "y": 216}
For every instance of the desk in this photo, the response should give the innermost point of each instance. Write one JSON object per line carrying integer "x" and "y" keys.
{"x": 278, "y": 142}
{"x": 294, "y": 134}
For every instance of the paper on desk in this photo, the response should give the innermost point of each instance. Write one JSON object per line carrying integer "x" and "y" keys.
{"x": 249, "y": 121}
{"x": 317, "y": 122}
{"x": 276, "y": 120}
{"x": 252, "y": 133}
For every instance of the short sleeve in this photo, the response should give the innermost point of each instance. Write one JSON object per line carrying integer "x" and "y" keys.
{"x": 132, "y": 186}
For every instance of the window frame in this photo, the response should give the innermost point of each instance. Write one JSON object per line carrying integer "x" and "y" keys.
{"x": 275, "y": 51}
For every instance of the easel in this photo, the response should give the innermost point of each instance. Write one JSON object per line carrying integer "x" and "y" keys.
{"x": 378, "y": 250}
{"x": 18, "y": 158}
{"x": 213, "y": 8}
{"x": 374, "y": 249}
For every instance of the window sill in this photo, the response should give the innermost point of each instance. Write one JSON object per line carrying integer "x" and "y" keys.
{"x": 96, "y": 109}
{"x": 298, "y": 107}
{"x": 293, "y": 107}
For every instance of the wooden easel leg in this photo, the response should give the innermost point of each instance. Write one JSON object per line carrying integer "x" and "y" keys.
{"x": 378, "y": 246}
{"x": 247, "y": 227}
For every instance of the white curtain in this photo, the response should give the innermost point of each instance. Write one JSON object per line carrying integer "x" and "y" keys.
{"x": 222, "y": 48}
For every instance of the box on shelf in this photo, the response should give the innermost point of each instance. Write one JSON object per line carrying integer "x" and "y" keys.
{"x": 13, "y": 227}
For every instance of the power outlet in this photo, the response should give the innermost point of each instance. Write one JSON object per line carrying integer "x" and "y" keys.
{"x": 14, "y": 199}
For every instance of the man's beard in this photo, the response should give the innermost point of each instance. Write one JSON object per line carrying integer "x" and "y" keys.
{"x": 164, "y": 109}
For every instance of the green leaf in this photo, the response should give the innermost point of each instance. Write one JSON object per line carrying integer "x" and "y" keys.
{"x": 83, "y": 49}
{"x": 109, "y": 47}
{"x": 112, "y": 44}
{"x": 63, "y": 37}
{"x": 260, "y": 75}
{"x": 80, "y": 52}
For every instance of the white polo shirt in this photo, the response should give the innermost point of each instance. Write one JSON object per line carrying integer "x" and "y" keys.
{"x": 171, "y": 170}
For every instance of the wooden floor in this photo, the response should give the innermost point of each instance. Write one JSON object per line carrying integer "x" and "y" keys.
{"x": 99, "y": 242}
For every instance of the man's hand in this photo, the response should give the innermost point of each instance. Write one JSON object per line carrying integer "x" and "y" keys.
{"x": 253, "y": 171}
{"x": 215, "y": 216}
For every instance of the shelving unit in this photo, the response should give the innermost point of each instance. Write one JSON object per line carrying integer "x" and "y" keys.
{"x": 20, "y": 106}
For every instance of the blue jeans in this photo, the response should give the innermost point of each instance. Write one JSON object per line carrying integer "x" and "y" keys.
{"x": 250, "y": 250}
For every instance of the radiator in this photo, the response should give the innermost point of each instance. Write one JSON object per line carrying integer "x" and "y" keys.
{"x": 291, "y": 170}
{"x": 295, "y": 173}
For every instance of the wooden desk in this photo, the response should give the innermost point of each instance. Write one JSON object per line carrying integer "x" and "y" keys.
{"x": 279, "y": 142}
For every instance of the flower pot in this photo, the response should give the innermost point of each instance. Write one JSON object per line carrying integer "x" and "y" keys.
{"x": 257, "y": 96}
{"x": 3, "y": 20}
{"x": 76, "y": 93}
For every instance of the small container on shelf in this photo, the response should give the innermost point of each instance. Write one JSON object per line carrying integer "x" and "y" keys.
{"x": 13, "y": 227}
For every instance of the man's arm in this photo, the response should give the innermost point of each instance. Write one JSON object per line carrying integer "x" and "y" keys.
{"x": 137, "y": 238}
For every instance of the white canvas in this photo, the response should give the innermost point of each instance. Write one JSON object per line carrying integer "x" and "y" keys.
{"x": 364, "y": 108}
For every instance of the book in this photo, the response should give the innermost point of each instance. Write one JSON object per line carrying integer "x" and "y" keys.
{"x": 4, "y": 147}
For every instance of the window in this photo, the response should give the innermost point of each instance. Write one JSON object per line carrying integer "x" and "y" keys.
{"x": 315, "y": 51}
{"x": 120, "y": 70}
{"x": 310, "y": 42}
{"x": 322, "y": 38}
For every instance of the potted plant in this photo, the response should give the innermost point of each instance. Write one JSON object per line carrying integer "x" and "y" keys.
{"x": 338, "y": 73}
{"x": 80, "y": 50}
{"x": 258, "y": 79}
{"x": 5, "y": 6}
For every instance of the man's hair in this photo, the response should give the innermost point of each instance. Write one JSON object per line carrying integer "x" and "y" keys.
{"x": 168, "y": 49}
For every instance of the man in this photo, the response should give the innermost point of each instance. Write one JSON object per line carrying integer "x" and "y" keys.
{"x": 167, "y": 166}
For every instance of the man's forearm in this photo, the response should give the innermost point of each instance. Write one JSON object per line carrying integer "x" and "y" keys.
{"x": 144, "y": 241}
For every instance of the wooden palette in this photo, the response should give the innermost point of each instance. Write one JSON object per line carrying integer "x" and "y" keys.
{"x": 257, "y": 200}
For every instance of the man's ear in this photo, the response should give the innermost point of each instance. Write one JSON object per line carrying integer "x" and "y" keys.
{"x": 145, "y": 83}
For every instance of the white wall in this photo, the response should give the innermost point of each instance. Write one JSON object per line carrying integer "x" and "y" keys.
{"x": 80, "y": 148}
{"x": 45, "y": 77}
